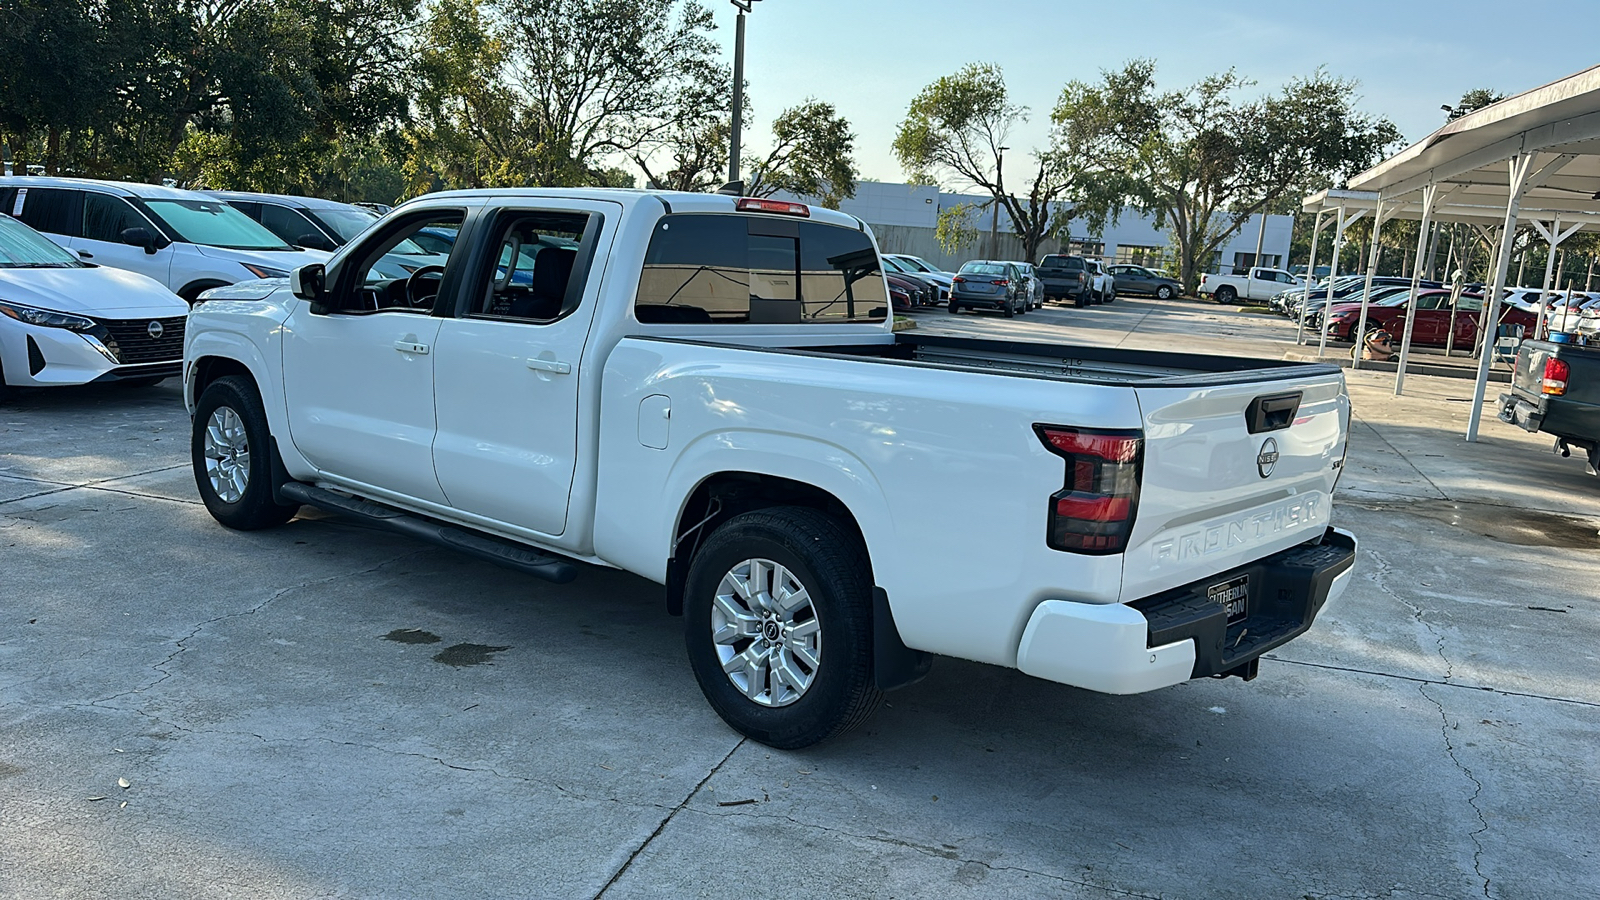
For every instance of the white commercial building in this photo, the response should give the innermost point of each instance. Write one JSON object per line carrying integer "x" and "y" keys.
{"x": 905, "y": 216}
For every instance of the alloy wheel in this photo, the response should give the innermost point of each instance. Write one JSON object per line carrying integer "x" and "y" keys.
{"x": 764, "y": 625}
{"x": 227, "y": 452}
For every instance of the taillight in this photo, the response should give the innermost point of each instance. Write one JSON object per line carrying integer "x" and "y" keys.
{"x": 1555, "y": 376}
{"x": 1000, "y": 281}
{"x": 1094, "y": 512}
{"x": 958, "y": 280}
{"x": 1202, "y": 279}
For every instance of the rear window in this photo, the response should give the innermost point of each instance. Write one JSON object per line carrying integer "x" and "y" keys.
{"x": 740, "y": 269}
{"x": 983, "y": 269}
{"x": 1061, "y": 262}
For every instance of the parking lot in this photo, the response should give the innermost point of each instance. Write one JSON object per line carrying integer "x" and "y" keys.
{"x": 327, "y": 710}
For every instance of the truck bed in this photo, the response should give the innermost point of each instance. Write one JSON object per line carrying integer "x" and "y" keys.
{"x": 1072, "y": 362}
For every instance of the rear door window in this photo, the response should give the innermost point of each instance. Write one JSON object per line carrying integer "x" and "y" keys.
{"x": 286, "y": 223}
{"x": 739, "y": 269}
{"x": 51, "y": 210}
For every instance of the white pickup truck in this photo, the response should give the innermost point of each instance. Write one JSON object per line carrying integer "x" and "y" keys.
{"x": 1260, "y": 284}
{"x": 706, "y": 391}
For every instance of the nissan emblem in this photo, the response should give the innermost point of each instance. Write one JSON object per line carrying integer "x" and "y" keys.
{"x": 155, "y": 330}
{"x": 1267, "y": 459}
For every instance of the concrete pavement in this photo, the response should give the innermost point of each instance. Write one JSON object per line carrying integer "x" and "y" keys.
{"x": 323, "y": 710}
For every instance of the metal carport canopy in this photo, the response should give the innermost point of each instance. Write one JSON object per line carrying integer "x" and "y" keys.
{"x": 1532, "y": 157}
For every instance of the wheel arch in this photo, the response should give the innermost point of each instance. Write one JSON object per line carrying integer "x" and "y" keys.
{"x": 721, "y": 495}
{"x": 193, "y": 289}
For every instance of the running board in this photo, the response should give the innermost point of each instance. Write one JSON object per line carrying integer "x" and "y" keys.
{"x": 513, "y": 556}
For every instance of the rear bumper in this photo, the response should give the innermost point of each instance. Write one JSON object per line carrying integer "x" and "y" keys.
{"x": 1520, "y": 412}
{"x": 989, "y": 301}
{"x": 1181, "y": 634}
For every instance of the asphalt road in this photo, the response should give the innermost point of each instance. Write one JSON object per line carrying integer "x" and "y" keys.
{"x": 323, "y": 710}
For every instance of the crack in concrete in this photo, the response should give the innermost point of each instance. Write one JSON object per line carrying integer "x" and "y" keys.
{"x": 90, "y": 485}
{"x": 182, "y": 644}
{"x": 1449, "y": 684}
{"x": 1379, "y": 578}
{"x": 926, "y": 850}
{"x": 661, "y": 826}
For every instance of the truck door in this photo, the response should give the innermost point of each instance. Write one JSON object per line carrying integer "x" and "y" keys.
{"x": 508, "y": 378}
{"x": 359, "y": 380}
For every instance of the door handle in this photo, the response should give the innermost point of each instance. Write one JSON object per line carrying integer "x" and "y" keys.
{"x": 550, "y": 365}
{"x": 85, "y": 254}
{"x": 411, "y": 347}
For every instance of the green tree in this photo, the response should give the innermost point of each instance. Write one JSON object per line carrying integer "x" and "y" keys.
{"x": 1201, "y": 161}
{"x": 555, "y": 93}
{"x": 955, "y": 230}
{"x": 1472, "y": 101}
{"x": 813, "y": 156}
{"x": 956, "y": 130}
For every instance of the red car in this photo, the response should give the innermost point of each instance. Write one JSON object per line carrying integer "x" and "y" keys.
{"x": 1433, "y": 319}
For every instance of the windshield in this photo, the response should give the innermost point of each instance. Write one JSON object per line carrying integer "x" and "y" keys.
{"x": 23, "y": 248}
{"x": 213, "y": 223}
{"x": 346, "y": 223}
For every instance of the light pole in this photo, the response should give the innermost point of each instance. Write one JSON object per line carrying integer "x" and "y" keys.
{"x": 994, "y": 218}
{"x": 738, "y": 87}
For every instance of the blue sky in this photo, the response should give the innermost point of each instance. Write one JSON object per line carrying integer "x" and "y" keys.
{"x": 870, "y": 57}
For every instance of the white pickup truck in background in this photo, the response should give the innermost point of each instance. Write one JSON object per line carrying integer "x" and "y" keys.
{"x": 1259, "y": 284}
{"x": 706, "y": 391}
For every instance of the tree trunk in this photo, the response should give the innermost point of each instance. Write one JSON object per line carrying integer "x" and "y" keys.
{"x": 52, "y": 151}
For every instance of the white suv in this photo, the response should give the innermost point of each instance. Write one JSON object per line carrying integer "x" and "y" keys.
{"x": 186, "y": 240}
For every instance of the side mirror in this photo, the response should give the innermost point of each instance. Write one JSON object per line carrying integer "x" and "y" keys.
{"x": 140, "y": 237}
{"x": 315, "y": 242}
{"x": 309, "y": 282}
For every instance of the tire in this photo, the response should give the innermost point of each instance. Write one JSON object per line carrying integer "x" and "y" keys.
{"x": 1226, "y": 294}
{"x": 1081, "y": 301}
{"x": 830, "y": 565}
{"x": 1011, "y": 309}
{"x": 955, "y": 308}
{"x": 1164, "y": 292}
{"x": 1110, "y": 298}
{"x": 245, "y": 434}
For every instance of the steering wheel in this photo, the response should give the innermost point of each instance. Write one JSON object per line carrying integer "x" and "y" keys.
{"x": 423, "y": 286}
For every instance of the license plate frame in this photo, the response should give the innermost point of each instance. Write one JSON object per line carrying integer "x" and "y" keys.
{"x": 1233, "y": 596}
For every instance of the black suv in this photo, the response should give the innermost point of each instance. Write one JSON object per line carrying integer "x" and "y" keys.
{"x": 1066, "y": 278}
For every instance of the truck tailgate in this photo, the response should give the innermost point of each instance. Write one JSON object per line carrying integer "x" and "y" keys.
{"x": 1231, "y": 473}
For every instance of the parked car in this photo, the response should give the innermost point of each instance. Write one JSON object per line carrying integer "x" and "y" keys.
{"x": 1433, "y": 320}
{"x": 302, "y": 221}
{"x": 989, "y": 284}
{"x": 1140, "y": 280}
{"x": 186, "y": 240}
{"x": 1035, "y": 287}
{"x": 1065, "y": 278}
{"x": 1388, "y": 295}
{"x": 917, "y": 293}
{"x": 817, "y": 517}
{"x": 1258, "y": 284}
{"x": 940, "y": 290}
{"x": 922, "y": 267}
{"x": 64, "y": 321}
{"x": 1348, "y": 288}
{"x": 1103, "y": 285}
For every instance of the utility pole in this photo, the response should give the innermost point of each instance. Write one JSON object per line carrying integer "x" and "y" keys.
{"x": 994, "y": 218}
{"x": 738, "y": 88}
{"x": 1261, "y": 236}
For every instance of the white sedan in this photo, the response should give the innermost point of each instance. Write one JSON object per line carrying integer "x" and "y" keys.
{"x": 64, "y": 322}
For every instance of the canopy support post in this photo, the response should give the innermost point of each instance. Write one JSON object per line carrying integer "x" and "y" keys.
{"x": 1429, "y": 193}
{"x": 1360, "y": 334}
{"x": 1311, "y": 277}
{"x": 1518, "y": 166}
